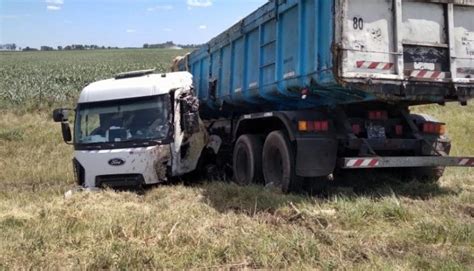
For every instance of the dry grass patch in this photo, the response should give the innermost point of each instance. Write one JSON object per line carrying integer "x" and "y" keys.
{"x": 377, "y": 224}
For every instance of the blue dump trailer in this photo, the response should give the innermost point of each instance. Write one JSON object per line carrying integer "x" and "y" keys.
{"x": 300, "y": 90}
{"x": 334, "y": 52}
{"x": 298, "y": 93}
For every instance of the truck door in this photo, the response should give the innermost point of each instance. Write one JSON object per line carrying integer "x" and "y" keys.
{"x": 188, "y": 144}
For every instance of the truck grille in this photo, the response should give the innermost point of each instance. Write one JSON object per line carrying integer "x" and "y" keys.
{"x": 118, "y": 181}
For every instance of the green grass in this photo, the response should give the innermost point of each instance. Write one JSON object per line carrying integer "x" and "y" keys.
{"x": 386, "y": 225}
{"x": 32, "y": 80}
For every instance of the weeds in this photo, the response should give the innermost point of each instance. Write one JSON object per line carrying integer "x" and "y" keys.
{"x": 377, "y": 224}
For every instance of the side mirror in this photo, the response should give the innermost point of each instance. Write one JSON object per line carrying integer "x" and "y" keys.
{"x": 60, "y": 115}
{"x": 66, "y": 131}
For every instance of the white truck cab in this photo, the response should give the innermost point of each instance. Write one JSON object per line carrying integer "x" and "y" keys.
{"x": 135, "y": 129}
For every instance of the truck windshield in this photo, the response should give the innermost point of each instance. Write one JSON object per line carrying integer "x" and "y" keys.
{"x": 130, "y": 120}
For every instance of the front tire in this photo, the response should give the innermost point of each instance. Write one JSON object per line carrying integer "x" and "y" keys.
{"x": 247, "y": 160}
{"x": 279, "y": 163}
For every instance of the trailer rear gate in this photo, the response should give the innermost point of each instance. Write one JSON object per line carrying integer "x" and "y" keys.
{"x": 407, "y": 39}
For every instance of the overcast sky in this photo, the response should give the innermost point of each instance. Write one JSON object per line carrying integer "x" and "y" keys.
{"x": 123, "y": 23}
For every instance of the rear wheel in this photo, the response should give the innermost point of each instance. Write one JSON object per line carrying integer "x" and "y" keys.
{"x": 428, "y": 174}
{"x": 247, "y": 160}
{"x": 425, "y": 174}
{"x": 279, "y": 163}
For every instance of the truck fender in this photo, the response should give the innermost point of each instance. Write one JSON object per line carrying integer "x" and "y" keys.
{"x": 214, "y": 144}
{"x": 247, "y": 124}
{"x": 316, "y": 157}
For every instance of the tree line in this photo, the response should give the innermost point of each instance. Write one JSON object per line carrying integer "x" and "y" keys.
{"x": 170, "y": 45}
{"x": 74, "y": 47}
{"x": 78, "y": 47}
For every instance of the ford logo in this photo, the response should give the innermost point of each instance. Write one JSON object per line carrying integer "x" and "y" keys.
{"x": 116, "y": 162}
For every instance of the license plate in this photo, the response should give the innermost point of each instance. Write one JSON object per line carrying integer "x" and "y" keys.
{"x": 375, "y": 131}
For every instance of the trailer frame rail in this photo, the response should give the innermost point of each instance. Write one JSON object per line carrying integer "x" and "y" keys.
{"x": 405, "y": 162}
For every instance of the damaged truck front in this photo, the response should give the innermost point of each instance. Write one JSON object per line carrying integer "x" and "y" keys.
{"x": 136, "y": 129}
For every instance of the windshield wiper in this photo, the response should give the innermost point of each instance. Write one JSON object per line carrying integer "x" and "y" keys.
{"x": 90, "y": 147}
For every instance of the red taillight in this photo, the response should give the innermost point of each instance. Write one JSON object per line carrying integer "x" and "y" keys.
{"x": 313, "y": 126}
{"x": 378, "y": 115}
{"x": 356, "y": 129}
{"x": 434, "y": 128}
{"x": 324, "y": 125}
{"x": 399, "y": 130}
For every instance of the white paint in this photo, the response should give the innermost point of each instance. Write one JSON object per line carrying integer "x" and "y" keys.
{"x": 385, "y": 32}
{"x": 150, "y": 162}
{"x": 464, "y": 40}
{"x": 196, "y": 142}
{"x": 366, "y": 162}
{"x": 423, "y": 23}
{"x": 137, "y": 161}
{"x": 289, "y": 75}
{"x": 424, "y": 66}
{"x": 371, "y": 39}
{"x": 464, "y": 162}
{"x": 351, "y": 163}
{"x": 143, "y": 86}
{"x": 429, "y": 74}
{"x": 269, "y": 114}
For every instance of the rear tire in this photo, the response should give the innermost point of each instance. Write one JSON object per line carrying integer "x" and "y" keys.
{"x": 279, "y": 163}
{"x": 425, "y": 175}
{"x": 247, "y": 160}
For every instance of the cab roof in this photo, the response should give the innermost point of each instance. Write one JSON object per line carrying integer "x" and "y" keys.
{"x": 120, "y": 88}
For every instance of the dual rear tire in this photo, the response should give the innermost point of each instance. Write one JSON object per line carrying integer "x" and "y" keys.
{"x": 272, "y": 162}
{"x": 247, "y": 160}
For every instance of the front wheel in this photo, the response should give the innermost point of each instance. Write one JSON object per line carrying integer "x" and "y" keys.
{"x": 279, "y": 163}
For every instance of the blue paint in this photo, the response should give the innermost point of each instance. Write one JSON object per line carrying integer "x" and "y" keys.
{"x": 269, "y": 57}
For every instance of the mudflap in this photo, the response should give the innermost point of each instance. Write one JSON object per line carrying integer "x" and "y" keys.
{"x": 315, "y": 157}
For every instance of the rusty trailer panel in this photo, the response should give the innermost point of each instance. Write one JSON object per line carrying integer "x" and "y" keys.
{"x": 406, "y": 41}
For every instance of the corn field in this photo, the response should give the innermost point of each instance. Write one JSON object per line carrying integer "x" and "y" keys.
{"x": 32, "y": 80}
